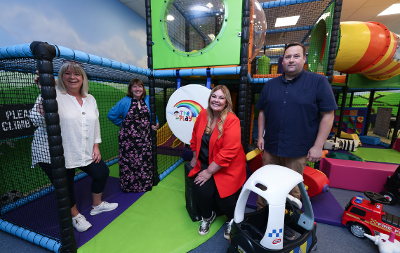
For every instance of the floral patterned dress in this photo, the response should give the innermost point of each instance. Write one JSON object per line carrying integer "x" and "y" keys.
{"x": 135, "y": 166}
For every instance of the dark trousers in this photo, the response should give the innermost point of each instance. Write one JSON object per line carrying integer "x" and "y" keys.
{"x": 97, "y": 171}
{"x": 208, "y": 192}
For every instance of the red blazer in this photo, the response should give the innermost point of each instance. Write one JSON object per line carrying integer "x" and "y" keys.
{"x": 226, "y": 152}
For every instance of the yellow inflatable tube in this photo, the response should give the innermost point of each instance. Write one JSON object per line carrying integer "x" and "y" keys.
{"x": 367, "y": 48}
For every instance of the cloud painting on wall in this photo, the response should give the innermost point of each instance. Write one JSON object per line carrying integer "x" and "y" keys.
{"x": 105, "y": 28}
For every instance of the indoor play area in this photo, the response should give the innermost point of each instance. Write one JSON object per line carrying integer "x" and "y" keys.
{"x": 353, "y": 191}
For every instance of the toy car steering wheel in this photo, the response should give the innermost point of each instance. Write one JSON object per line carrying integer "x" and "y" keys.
{"x": 289, "y": 208}
{"x": 376, "y": 198}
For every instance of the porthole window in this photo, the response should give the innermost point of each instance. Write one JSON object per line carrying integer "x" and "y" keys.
{"x": 192, "y": 26}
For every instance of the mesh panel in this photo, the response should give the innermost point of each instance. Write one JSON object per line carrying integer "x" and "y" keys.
{"x": 21, "y": 175}
{"x": 169, "y": 148}
{"x": 384, "y": 99}
{"x": 309, "y": 14}
{"x": 193, "y": 25}
{"x": 20, "y": 178}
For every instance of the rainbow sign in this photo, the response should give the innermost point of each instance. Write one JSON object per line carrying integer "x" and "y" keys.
{"x": 191, "y": 105}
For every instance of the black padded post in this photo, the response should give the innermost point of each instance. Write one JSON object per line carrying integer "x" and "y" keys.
{"x": 396, "y": 128}
{"x": 243, "y": 86}
{"x": 351, "y": 99}
{"x": 367, "y": 120}
{"x": 344, "y": 96}
{"x": 334, "y": 39}
{"x": 44, "y": 53}
{"x": 156, "y": 178}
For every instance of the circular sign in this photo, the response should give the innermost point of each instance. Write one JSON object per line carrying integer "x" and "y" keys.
{"x": 184, "y": 107}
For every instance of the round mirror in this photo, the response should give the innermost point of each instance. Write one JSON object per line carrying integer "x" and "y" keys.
{"x": 259, "y": 24}
{"x": 192, "y": 26}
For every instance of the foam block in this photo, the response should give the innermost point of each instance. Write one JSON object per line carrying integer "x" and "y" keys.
{"x": 373, "y": 140}
{"x": 396, "y": 145}
{"x": 356, "y": 176}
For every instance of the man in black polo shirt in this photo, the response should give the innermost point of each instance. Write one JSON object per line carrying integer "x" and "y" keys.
{"x": 296, "y": 112}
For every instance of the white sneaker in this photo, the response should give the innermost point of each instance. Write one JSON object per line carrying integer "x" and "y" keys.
{"x": 103, "y": 207}
{"x": 205, "y": 224}
{"x": 228, "y": 229}
{"x": 295, "y": 201}
{"x": 80, "y": 223}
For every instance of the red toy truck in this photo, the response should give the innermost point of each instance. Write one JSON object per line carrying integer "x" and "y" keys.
{"x": 367, "y": 216}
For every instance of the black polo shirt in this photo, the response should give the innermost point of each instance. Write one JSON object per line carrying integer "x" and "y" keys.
{"x": 292, "y": 112}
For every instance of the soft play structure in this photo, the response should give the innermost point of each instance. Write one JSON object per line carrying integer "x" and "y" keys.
{"x": 25, "y": 188}
{"x": 367, "y": 57}
{"x": 188, "y": 42}
{"x": 202, "y": 42}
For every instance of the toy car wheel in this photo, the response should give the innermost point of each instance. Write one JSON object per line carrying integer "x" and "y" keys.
{"x": 358, "y": 230}
{"x": 390, "y": 196}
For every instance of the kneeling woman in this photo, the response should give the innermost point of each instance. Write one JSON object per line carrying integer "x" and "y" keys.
{"x": 218, "y": 159}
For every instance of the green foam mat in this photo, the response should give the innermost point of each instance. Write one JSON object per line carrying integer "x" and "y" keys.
{"x": 157, "y": 222}
{"x": 378, "y": 155}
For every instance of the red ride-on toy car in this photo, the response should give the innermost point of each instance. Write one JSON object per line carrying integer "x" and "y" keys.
{"x": 393, "y": 187}
{"x": 364, "y": 216}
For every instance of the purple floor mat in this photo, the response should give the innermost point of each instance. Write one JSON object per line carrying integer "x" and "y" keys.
{"x": 325, "y": 207}
{"x": 112, "y": 193}
{"x": 365, "y": 145}
{"x": 41, "y": 216}
{"x": 251, "y": 201}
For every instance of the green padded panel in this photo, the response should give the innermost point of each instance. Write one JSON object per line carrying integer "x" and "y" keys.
{"x": 157, "y": 222}
{"x": 224, "y": 50}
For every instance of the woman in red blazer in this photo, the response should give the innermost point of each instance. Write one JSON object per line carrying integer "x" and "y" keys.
{"x": 218, "y": 159}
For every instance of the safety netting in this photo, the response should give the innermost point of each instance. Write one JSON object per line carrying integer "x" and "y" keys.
{"x": 307, "y": 22}
{"x": 384, "y": 109}
{"x": 24, "y": 179}
{"x": 193, "y": 25}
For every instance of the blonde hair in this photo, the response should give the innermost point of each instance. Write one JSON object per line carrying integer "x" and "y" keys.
{"x": 78, "y": 68}
{"x": 224, "y": 113}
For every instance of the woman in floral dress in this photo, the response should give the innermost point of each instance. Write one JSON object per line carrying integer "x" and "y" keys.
{"x": 132, "y": 113}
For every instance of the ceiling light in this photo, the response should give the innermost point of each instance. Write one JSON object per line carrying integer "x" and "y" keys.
{"x": 287, "y": 21}
{"x": 393, "y": 9}
{"x": 170, "y": 18}
{"x": 199, "y": 8}
{"x": 323, "y": 16}
{"x": 258, "y": 6}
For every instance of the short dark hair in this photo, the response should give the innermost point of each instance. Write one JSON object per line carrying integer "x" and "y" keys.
{"x": 295, "y": 44}
{"x": 138, "y": 82}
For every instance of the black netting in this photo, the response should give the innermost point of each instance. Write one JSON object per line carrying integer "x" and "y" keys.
{"x": 309, "y": 14}
{"x": 27, "y": 197}
{"x": 382, "y": 99}
{"x": 21, "y": 179}
{"x": 193, "y": 25}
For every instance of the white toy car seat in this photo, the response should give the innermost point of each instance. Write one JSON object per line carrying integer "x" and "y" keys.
{"x": 279, "y": 181}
